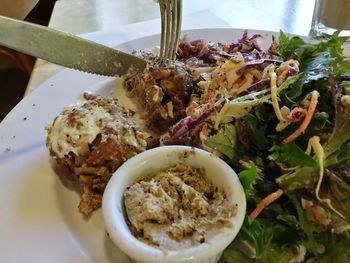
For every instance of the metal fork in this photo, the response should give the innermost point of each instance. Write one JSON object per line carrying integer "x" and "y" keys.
{"x": 171, "y": 17}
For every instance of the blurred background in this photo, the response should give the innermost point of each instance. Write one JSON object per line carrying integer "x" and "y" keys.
{"x": 15, "y": 68}
{"x": 83, "y": 16}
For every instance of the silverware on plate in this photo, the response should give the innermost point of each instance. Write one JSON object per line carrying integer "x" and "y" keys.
{"x": 171, "y": 19}
{"x": 67, "y": 50}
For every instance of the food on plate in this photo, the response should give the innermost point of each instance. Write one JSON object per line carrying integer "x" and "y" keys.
{"x": 163, "y": 91}
{"x": 281, "y": 117}
{"x": 168, "y": 164}
{"x": 89, "y": 140}
{"x": 177, "y": 208}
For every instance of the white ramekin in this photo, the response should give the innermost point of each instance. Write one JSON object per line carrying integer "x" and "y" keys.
{"x": 151, "y": 162}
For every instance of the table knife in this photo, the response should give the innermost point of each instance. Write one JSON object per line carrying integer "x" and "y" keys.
{"x": 67, "y": 50}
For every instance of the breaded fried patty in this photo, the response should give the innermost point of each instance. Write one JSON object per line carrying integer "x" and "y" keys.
{"x": 90, "y": 140}
{"x": 163, "y": 91}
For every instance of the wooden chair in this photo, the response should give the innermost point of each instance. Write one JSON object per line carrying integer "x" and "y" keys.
{"x": 38, "y": 12}
{"x": 24, "y": 62}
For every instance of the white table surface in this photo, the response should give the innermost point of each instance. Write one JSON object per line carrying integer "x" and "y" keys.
{"x": 83, "y": 16}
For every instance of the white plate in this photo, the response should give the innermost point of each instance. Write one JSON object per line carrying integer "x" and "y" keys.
{"x": 39, "y": 219}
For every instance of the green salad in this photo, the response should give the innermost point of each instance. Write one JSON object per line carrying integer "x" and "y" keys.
{"x": 281, "y": 118}
{"x": 297, "y": 176}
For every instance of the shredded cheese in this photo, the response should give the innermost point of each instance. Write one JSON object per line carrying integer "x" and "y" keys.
{"x": 274, "y": 97}
{"x": 314, "y": 144}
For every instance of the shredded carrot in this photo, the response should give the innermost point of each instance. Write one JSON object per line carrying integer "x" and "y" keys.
{"x": 265, "y": 203}
{"x": 307, "y": 119}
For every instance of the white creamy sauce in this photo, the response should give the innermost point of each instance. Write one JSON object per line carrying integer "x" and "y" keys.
{"x": 67, "y": 136}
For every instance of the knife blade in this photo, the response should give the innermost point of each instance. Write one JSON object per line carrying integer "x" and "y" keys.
{"x": 66, "y": 49}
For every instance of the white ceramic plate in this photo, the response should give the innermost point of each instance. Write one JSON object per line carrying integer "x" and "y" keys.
{"x": 39, "y": 219}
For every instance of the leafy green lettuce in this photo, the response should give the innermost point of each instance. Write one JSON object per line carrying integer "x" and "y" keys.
{"x": 248, "y": 178}
{"x": 283, "y": 232}
{"x": 240, "y": 106}
{"x": 317, "y": 58}
{"x": 300, "y": 49}
{"x": 336, "y": 151}
{"x": 291, "y": 154}
{"x": 224, "y": 141}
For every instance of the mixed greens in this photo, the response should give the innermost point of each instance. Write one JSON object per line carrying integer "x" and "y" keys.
{"x": 281, "y": 118}
{"x": 296, "y": 172}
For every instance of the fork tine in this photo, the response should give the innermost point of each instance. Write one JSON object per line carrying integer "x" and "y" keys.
{"x": 167, "y": 28}
{"x": 162, "y": 36}
{"x": 170, "y": 51}
{"x": 178, "y": 27}
{"x": 171, "y": 15}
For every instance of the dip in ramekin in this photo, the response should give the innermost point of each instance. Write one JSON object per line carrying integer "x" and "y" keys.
{"x": 205, "y": 247}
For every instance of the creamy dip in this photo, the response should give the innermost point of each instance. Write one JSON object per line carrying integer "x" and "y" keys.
{"x": 177, "y": 208}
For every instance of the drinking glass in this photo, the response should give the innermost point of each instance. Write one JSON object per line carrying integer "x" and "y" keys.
{"x": 330, "y": 16}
